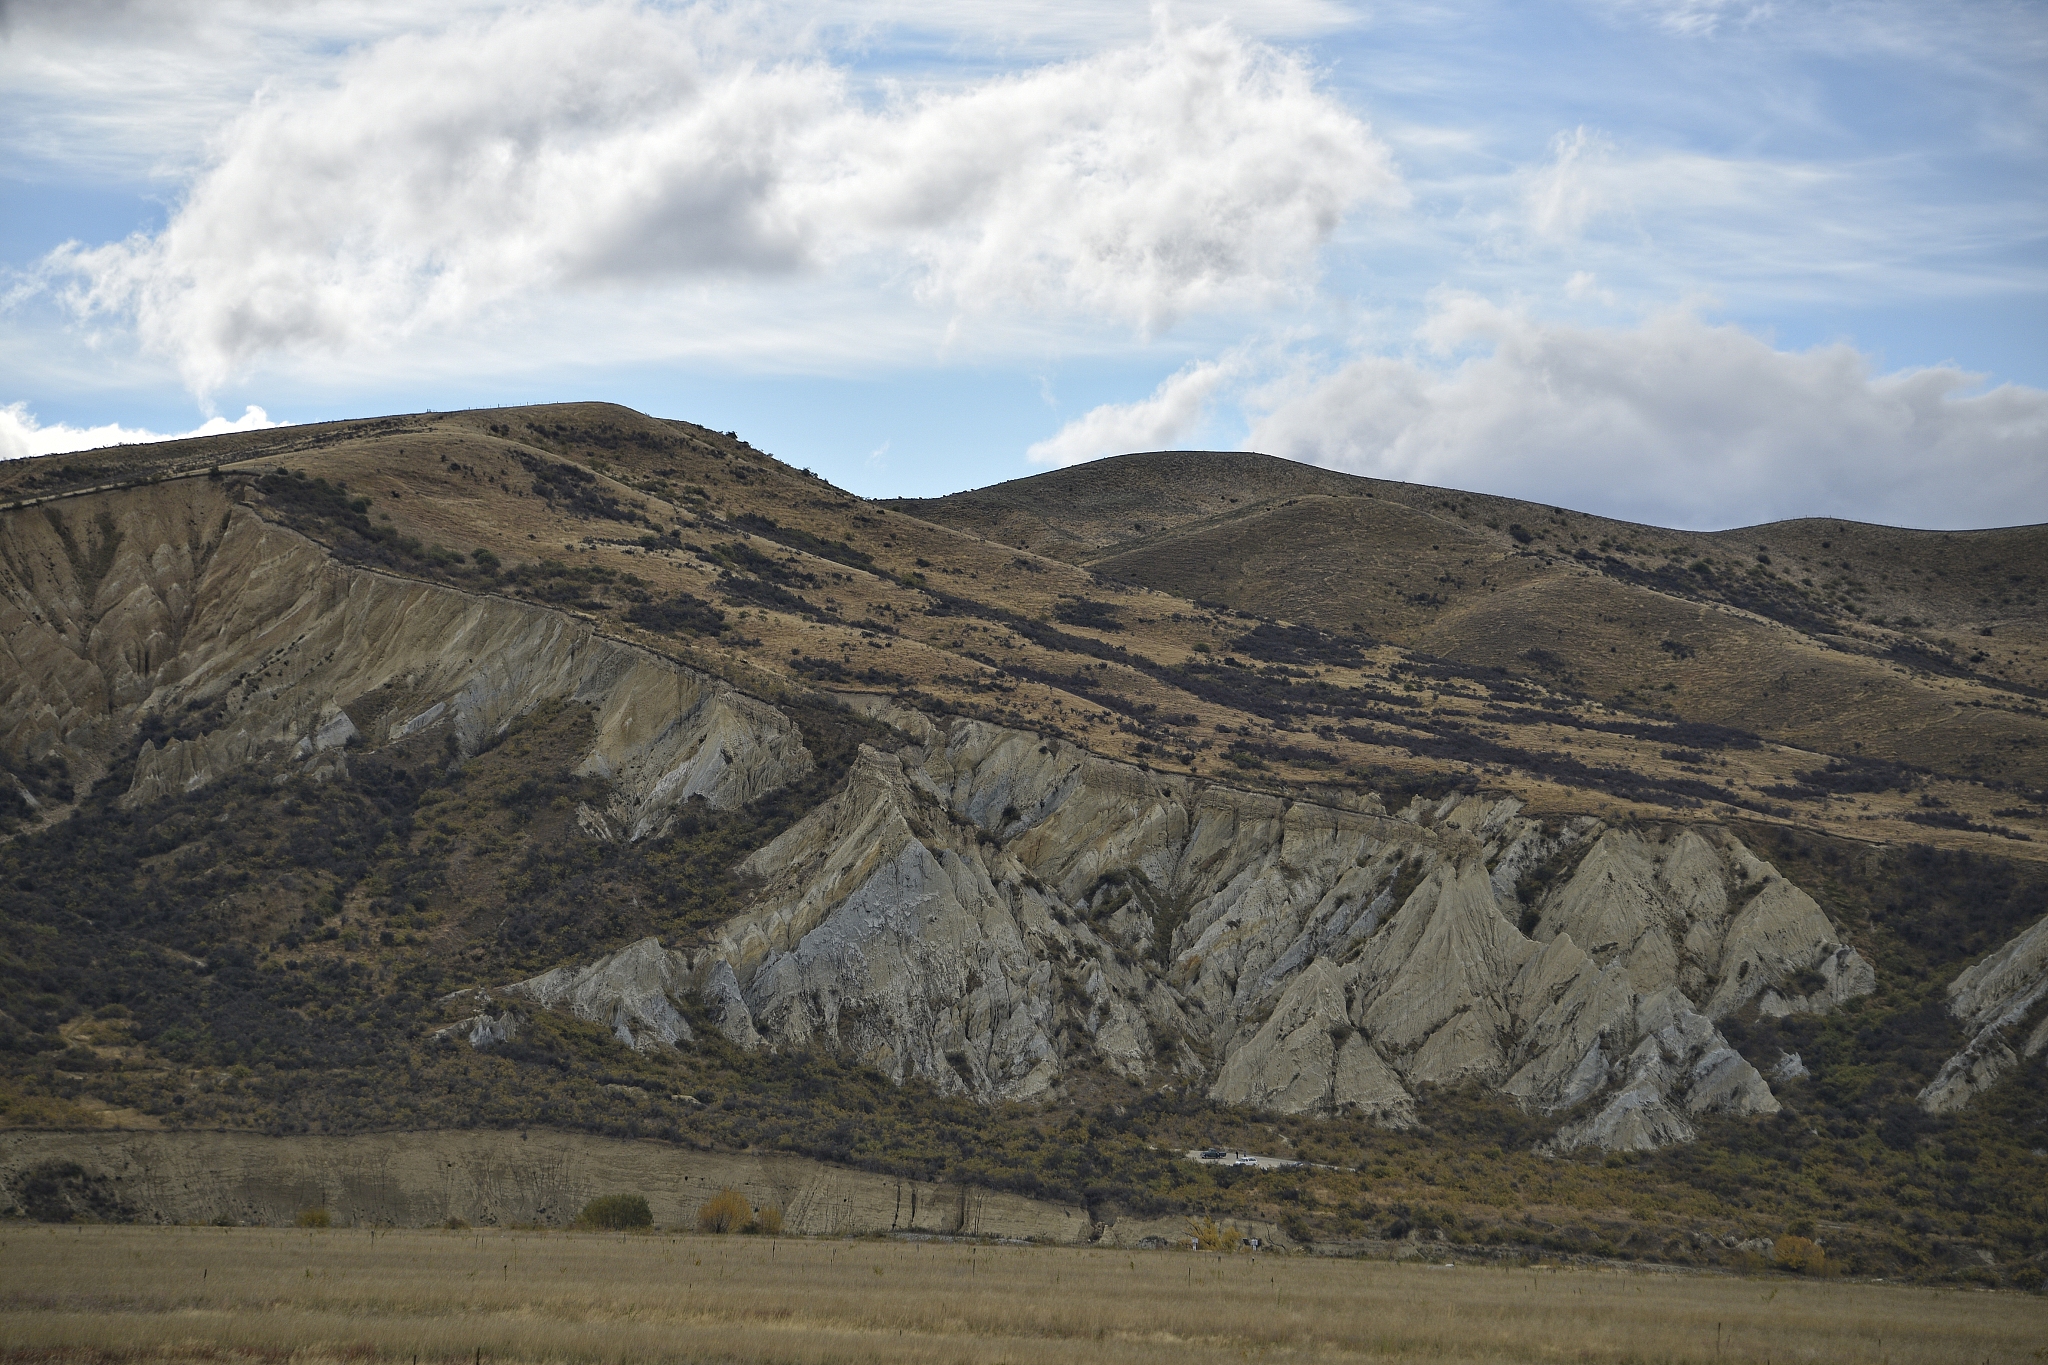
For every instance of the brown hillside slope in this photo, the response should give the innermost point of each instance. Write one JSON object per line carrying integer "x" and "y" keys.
{"x": 1574, "y": 683}
{"x": 1928, "y": 648}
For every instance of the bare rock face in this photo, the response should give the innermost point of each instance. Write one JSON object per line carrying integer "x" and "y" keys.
{"x": 1839, "y": 974}
{"x": 1679, "y": 1066}
{"x": 891, "y": 927}
{"x": 1995, "y": 999}
{"x": 480, "y": 1028}
{"x": 1308, "y": 1057}
{"x": 1699, "y": 911}
{"x": 176, "y": 603}
{"x": 633, "y": 992}
{"x": 721, "y": 993}
{"x": 983, "y": 908}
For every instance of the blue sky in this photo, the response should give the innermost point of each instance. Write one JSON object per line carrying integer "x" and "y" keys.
{"x": 1698, "y": 262}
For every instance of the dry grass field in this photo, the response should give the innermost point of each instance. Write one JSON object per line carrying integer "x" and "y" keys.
{"x": 108, "y": 1293}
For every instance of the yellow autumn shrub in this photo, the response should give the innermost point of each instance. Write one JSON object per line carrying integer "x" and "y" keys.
{"x": 1802, "y": 1255}
{"x": 726, "y": 1211}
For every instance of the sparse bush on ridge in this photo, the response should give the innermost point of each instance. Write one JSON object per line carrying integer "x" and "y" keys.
{"x": 1085, "y": 611}
{"x": 683, "y": 614}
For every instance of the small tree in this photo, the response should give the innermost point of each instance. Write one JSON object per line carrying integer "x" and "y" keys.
{"x": 768, "y": 1222}
{"x": 1206, "y": 1236}
{"x": 616, "y": 1213}
{"x": 726, "y": 1211}
{"x": 315, "y": 1218}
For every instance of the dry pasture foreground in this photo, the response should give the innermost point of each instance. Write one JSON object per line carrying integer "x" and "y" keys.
{"x": 114, "y": 1293}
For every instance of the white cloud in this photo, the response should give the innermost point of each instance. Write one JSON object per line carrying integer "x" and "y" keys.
{"x": 1038, "y": 30}
{"x": 586, "y": 147}
{"x": 134, "y": 89}
{"x": 21, "y": 435}
{"x": 1585, "y": 285}
{"x": 1674, "y": 422}
{"x": 1564, "y": 195}
{"x": 1692, "y": 214}
{"x": 1191, "y": 172}
{"x": 1700, "y": 18}
{"x": 1168, "y": 417}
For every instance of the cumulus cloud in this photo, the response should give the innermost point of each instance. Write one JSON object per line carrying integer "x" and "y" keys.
{"x": 1195, "y": 171}
{"x": 21, "y": 435}
{"x": 618, "y": 145}
{"x": 1675, "y": 422}
{"x": 1160, "y": 422}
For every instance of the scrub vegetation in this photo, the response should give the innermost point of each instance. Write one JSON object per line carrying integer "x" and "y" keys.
{"x": 271, "y": 958}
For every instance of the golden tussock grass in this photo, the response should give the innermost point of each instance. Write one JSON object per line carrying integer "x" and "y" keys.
{"x": 148, "y": 1294}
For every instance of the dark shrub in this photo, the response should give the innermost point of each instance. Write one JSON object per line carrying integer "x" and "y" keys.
{"x": 616, "y": 1213}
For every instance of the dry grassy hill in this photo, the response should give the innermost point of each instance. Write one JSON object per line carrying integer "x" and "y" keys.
{"x": 490, "y": 635}
{"x": 1861, "y": 642}
{"x": 1553, "y": 655}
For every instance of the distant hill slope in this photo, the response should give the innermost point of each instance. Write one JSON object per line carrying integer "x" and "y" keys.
{"x": 1824, "y": 634}
{"x": 567, "y": 766}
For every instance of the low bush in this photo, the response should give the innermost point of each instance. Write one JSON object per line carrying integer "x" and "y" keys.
{"x": 616, "y": 1213}
{"x": 1208, "y": 1236}
{"x": 726, "y": 1211}
{"x": 1083, "y": 611}
{"x": 315, "y": 1218}
{"x": 683, "y": 614}
{"x": 1800, "y": 1255}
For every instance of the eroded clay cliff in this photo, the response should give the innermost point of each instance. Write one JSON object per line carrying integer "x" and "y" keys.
{"x": 176, "y": 604}
{"x": 983, "y": 908}
{"x": 980, "y": 907}
{"x": 1999, "y": 1001}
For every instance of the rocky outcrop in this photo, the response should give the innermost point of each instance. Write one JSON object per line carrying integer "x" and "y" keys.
{"x": 1680, "y": 1066}
{"x": 1699, "y": 911}
{"x": 176, "y": 604}
{"x": 892, "y": 928}
{"x": 982, "y": 908}
{"x": 633, "y": 992}
{"x": 2000, "y": 1002}
{"x": 1308, "y": 1057}
{"x": 979, "y": 907}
